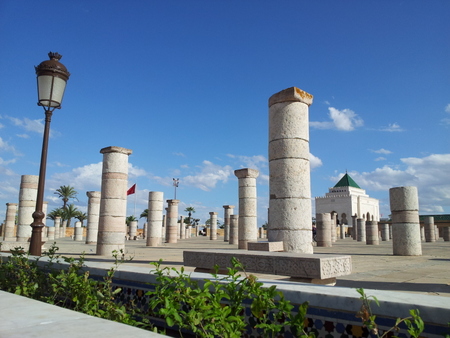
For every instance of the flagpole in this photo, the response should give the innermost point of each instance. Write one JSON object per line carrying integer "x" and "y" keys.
{"x": 135, "y": 197}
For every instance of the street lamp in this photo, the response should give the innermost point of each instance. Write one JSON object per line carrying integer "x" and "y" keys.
{"x": 176, "y": 182}
{"x": 52, "y": 77}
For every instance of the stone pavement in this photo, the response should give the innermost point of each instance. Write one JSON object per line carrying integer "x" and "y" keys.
{"x": 374, "y": 266}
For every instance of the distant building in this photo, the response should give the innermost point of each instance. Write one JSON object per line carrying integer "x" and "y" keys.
{"x": 345, "y": 199}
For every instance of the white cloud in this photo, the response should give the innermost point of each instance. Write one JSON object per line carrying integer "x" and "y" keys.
{"x": 382, "y": 151}
{"x": 314, "y": 161}
{"x": 392, "y": 127}
{"x": 429, "y": 174}
{"x": 6, "y": 147}
{"x": 209, "y": 176}
{"x": 27, "y": 124}
{"x": 446, "y": 121}
{"x": 85, "y": 178}
{"x": 381, "y": 158}
{"x": 447, "y": 108}
{"x": 344, "y": 120}
{"x": 253, "y": 162}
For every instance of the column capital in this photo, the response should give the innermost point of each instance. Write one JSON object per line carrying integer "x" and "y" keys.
{"x": 246, "y": 173}
{"x": 292, "y": 94}
{"x": 94, "y": 194}
{"x": 228, "y": 206}
{"x": 11, "y": 204}
{"x": 212, "y": 213}
{"x": 173, "y": 202}
{"x": 114, "y": 149}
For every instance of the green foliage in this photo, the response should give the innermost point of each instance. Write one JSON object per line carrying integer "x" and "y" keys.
{"x": 215, "y": 307}
{"x": 414, "y": 324}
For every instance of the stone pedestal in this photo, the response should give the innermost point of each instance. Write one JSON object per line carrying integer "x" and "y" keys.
{"x": 323, "y": 229}
{"x": 155, "y": 218}
{"x": 234, "y": 236}
{"x": 385, "y": 232}
{"x": 78, "y": 232}
{"x": 430, "y": 233}
{"x": 133, "y": 229}
{"x": 172, "y": 221}
{"x": 113, "y": 202}
{"x": 248, "y": 227}
{"x": 372, "y": 237}
{"x": 290, "y": 213}
{"x": 361, "y": 226}
{"x": 27, "y": 206}
{"x": 10, "y": 221}
{"x": 213, "y": 226}
{"x": 228, "y": 211}
{"x": 404, "y": 204}
{"x": 93, "y": 212}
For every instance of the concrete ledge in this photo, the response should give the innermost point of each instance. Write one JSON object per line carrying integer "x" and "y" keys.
{"x": 265, "y": 246}
{"x": 308, "y": 266}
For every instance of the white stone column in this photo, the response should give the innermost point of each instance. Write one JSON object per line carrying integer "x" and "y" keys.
{"x": 290, "y": 214}
{"x": 248, "y": 227}
{"x": 333, "y": 227}
{"x": 172, "y": 221}
{"x": 155, "y": 218}
{"x": 354, "y": 227}
{"x": 422, "y": 233}
{"x": 133, "y": 229}
{"x": 10, "y": 222}
{"x": 404, "y": 204}
{"x": 234, "y": 229}
{"x": 372, "y": 237}
{"x": 27, "y": 206}
{"x": 78, "y": 232}
{"x": 430, "y": 233}
{"x": 51, "y": 233}
{"x": 182, "y": 228}
{"x": 145, "y": 230}
{"x": 213, "y": 226}
{"x": 227, "y": 212}
{"x": 323, "y": 229}
{"x": 57, "y": 225}
{"x": 446, "y": 234}
{"x": 164, "y": 227}
{"x": 93, "y": 214}
{"x": 62, "y": 229}
{"x": 385, "y": 232}
{"x": 342, "y": 231}
{"x": 361, "y": 226}
{"x": 113, "y": 202}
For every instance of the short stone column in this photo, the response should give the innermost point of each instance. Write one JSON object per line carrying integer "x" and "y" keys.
{"x": 248, "y": 228}
{"x": 228, "y": 211}
{"x": 113, "y": 201}
{"x": 422, "y": 233}
{"x": 182, "y": 228}
{"x": 78, "y": 232}
{"x": 57, "y": 225}
{"x": 361, "y": 226}
{"x": 10, "y": 221}
{"x": 385, "y": 232}
{"x": 290, "y": 214}
{"x": 51, "y": 233}
{"x": 133, "y": 229}
{"x": 354, "y": 228}
{"x": 27, "y": 206}
{"x": 234, "y": 229}
{"x": 404, "y": 203}
{"x": 430, "y": 233}
{"x": 172, "y": 221}
{"x": 188, "y": 231}
{"x": 446, "y": 234}
{"x": 164, "y": 227}
{"x": 155, "y": 218}
{"x": 323, "y": 229}
{"x": 213, "y": 226}
{"x": 62, "y": 229}
{"x": 342, "y": 231}
{"x": 145, "y": 230}
{"x": 372, "y": 237}
{"x": 93, "y": 213}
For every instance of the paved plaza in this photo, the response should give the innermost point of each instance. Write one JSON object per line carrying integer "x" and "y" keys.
{"x": 374, "y": 266}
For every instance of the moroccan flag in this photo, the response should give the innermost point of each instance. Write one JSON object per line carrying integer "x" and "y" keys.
{"x": 132, "y": 190}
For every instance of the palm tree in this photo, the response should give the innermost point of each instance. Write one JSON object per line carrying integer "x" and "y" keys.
{"x": 66, "y": 192}
{"x": 55, "y": 213}
{"x": 69, "y": 212}
{"x": 144, "y": 214}
{"x": 130, "y": 219}
{"x": 190, "y": 211}
{"x": 81, "y": 216}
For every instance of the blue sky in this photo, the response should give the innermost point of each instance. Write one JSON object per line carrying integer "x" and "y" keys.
{"x": 185, "y": 85}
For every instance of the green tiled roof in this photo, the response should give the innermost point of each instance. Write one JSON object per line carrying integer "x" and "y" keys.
{"x": 443, "y": 217}
{"x": 346, "y": 181}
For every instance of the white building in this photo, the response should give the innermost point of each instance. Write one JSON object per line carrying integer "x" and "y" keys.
{"x": 347, "y": 199}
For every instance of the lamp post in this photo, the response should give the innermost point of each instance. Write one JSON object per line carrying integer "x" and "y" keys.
{"x": 176, "y": 182}
{"x": 52, "y": 77}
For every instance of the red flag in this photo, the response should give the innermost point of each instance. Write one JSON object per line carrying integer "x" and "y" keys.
{"x": 132, "y": 190}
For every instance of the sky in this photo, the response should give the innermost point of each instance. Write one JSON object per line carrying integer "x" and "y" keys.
{"x": 185, "y": 85}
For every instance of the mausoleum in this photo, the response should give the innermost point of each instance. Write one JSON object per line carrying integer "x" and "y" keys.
{"x": 347, "y": 199}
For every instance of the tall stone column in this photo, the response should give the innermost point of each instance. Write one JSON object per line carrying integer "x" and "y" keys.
{"x": 172, "y": 221}
{"x": 10, "y": 222}
{"x": 51, "y": 233}
{"x": 213, "y": 226}
{"x": 27, "y": 205}
{"x": 62, "y": 229}
{"x": 429, "y": 229}
{"x": 354, "y": 229}
{"x": 182, "y": 228}
{"x": 372, "y": 237}
{"x": 228, "y": 211}
{"x": 93, "y": 213}
{"x": 446, "y": 234}
{"x": 113, "y": 202}
{"x": 248, "y": 227}
{"x": 404, "y": 202}
{"x": 155, "y": 218}
{"x": 234, "y": 229}
{"x": 78, "y": 232}
{"x": 385, "y": 232}
{"x": 360, "y": 224}
{"x": 133, "y": 229}
{"x": 323, "y": 229}
{"x": 57, "y": 225}
{"x": 290, "y": 217}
